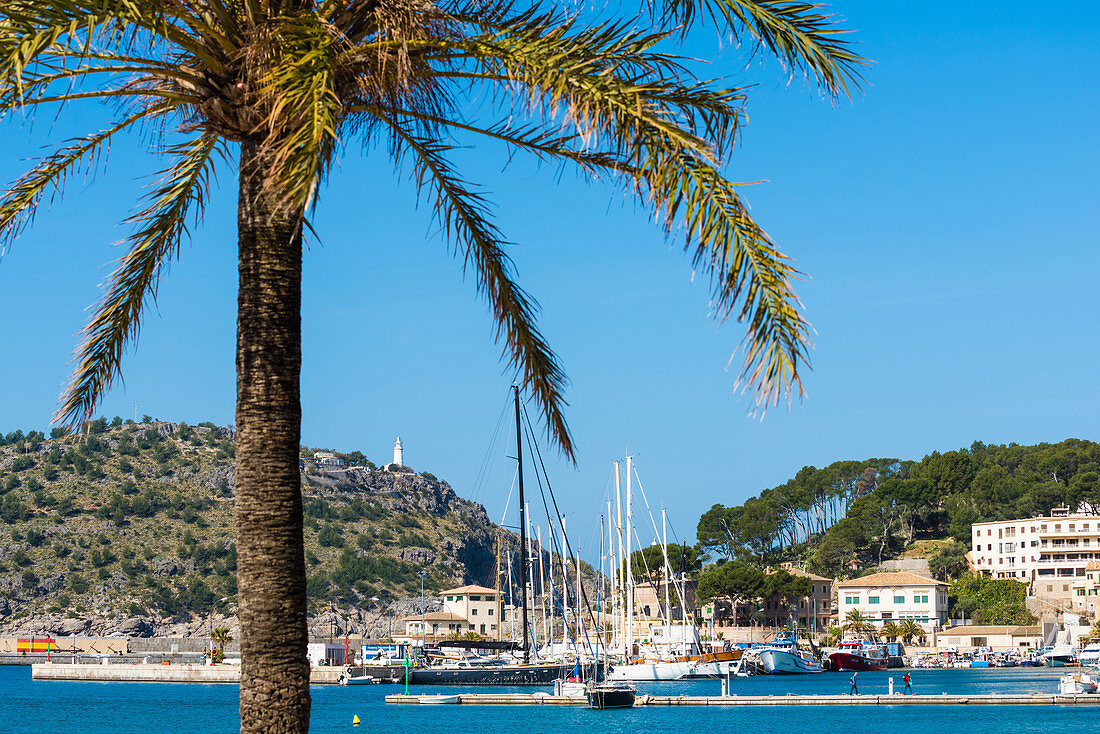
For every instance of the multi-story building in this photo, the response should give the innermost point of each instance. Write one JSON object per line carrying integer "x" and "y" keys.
{"x": 1050, "y": 554}
{"x": 465, "y": 609}
{"x": 1086, "y": 591}
{"x": 894, "y": 597}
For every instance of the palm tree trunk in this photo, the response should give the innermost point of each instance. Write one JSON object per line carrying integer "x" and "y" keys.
{"x": 271, "y": 578}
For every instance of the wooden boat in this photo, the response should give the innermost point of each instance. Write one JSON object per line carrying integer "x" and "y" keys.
{"x": 611, "y": 695}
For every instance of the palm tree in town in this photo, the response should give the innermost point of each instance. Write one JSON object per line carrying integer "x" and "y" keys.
{"x": 279, "y": 87}
{"x": 910, "y": 631}
{"x": 221, "y": 637}
{"x": 856, "y": 621}
{"x": 890, "y": 631}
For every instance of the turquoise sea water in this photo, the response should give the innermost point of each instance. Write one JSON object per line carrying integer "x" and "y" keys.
{"x": 124, "y": 708}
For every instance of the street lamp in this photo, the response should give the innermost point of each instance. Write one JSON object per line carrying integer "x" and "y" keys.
{"x": 751, "y": 618}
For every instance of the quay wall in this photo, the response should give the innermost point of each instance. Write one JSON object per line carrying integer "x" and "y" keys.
{"x": 159, "y": 673}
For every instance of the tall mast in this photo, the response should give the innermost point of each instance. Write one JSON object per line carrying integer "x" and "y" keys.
{"x": 522, "y": 526}
{"x": 564, "y": 586}
{"x": 666, "y": 570}
{"x": 500, "y": 599}
{"x": 620, "y": 587}
{"x": 629, "y": 559}
{"x": 542, "y": 587}
{"x": 609, "y": 601}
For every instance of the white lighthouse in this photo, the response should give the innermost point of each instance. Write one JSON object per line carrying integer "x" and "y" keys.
{"x": 397, "y": 452}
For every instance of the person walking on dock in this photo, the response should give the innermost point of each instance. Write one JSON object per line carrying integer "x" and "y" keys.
{"x": 853, "y": 690}
{"x": 908, "y": 684}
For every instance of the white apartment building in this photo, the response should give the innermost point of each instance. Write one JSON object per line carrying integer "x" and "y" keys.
{"x": 1050, "y": 554}
{"x": 894, "y": 597}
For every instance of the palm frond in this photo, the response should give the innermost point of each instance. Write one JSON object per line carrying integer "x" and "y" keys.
{"x": 116, "y": 319}
{"x": 21, "y": 200}
{"x": 304, "y": 110}
{"x": 462, "y": 213}
{"x": 798, "y": 33}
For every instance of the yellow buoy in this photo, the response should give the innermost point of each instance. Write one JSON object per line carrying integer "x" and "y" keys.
{"x": 355, "y": 720}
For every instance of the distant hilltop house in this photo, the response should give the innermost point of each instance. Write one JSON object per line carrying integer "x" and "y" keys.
{"x": 327, "y": 458}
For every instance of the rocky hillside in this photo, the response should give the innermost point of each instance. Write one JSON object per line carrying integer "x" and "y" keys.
{"x": 128, "y": 529}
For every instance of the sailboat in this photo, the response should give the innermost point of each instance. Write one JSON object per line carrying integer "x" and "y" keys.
{"x": 675, "y": 652}
{"x": 497, "y": 671}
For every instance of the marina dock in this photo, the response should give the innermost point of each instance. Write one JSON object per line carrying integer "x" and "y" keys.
{"x": 545, "y": 699}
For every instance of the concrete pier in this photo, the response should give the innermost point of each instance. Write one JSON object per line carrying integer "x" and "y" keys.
{"x": 992, "y": 699}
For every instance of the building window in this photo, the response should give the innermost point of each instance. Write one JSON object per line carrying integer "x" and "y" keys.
{"x": 851, "y": 600}
{"x": 899, "y": 599}
{"x": 473, "y": 612}
{"x": 490, "y": 611}
{"x": 872, "y": 600}
{"x": 475, "y": 598}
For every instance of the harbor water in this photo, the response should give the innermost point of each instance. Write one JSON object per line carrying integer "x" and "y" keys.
{"x": 125, "y": 708}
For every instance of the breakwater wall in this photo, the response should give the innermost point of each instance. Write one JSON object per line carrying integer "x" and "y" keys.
{"x": 142, "y": 673}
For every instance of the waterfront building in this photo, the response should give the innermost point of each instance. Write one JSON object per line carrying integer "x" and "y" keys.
{"x": 477, "y": 605}
{"x": 998, "y": 637}
{"x": 894, "y": 597}
{"x": 1049, "y": 554}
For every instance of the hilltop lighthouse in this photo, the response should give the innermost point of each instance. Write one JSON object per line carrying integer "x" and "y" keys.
{"x": 397, "y": 452}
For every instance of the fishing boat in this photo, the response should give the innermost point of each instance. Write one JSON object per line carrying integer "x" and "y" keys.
{"x": 611, "y": 695}
{"x": 783, "y": 656}
{"x": 1077, "y": 682}
{"x": 857, "y": 654}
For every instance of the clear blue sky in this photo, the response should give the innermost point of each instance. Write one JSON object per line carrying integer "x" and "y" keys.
{"x": 948, "y": 218}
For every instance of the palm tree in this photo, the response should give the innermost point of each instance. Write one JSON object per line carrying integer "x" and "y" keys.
{"x": 890, "y": 631}
{"x": 221, "y": 637}
{"x": 282, "y": 85}
{"x": 909, "y": 630}
{"x": 856, "y": 621}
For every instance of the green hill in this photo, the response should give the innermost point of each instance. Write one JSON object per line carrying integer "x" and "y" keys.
{"x": 134, "y": 520}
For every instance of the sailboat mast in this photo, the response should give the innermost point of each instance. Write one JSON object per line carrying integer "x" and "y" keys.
{"x": 666, "y": 570}
{"x": 620, "y": 587}
{"x": 500, "y": 598}
{"x": 629, "y": 559}
{"x": 522, "y": 526}
{"x": 542, "y": 589}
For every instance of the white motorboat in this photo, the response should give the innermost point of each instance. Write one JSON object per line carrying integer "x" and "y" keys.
{"x": 1060, "y": 656}
{"x": 438, "y": 699}
{"x": 1090, "y": 655}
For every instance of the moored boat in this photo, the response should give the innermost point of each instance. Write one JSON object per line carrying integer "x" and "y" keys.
{"x": 782, "y": 656}
{"x": 857, "y": 654}
{"x": 1078, "y": 682}
{"x": 611, "y": 695}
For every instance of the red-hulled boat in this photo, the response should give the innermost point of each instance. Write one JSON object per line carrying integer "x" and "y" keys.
{"x": 858, "y": 654}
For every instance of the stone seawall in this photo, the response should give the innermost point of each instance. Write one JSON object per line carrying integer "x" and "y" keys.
{"x": 158, "y": 673}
